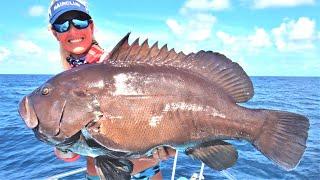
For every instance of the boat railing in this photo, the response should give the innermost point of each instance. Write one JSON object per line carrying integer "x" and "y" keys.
{"x": 195, "y": 176}
{"x": 66, "y": 174}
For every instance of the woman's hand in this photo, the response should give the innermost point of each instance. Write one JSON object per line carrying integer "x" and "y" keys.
{"x": 159, "y": 154}
{"x": 66, "y": 156}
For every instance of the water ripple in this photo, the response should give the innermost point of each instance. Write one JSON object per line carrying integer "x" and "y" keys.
{"x": 24, "y": 157}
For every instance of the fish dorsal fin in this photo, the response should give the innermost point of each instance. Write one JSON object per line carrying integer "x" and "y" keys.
{"x": 214, "y": 67}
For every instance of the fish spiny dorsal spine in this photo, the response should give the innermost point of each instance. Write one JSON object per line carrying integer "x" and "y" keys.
{"x": 154, "y": 51}
{"x": 143, "y": 52}
{"x": 212, "y": 66}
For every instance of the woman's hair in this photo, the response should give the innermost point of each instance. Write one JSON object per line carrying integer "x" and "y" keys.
{"x": 63, "y": 53}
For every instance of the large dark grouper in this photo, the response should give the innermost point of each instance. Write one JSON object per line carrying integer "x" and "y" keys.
{"x": 144, "y": 97}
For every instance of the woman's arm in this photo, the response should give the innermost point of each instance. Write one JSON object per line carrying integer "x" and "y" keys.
{"x": 160, "y": 154}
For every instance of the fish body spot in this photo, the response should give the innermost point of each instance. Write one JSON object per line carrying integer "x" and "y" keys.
{"x": 216, "y": 113}
{"x": 123, "y": 85}
{"x": 155, "y": 120}
{"x": 183, "y": 106}
{"x": 98, "y": 84}
{"x": 193, "y": 107}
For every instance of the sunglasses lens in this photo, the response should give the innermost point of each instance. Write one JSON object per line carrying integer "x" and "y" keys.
{"x": 80, "y": 24}
{"x": 63, "y": 27}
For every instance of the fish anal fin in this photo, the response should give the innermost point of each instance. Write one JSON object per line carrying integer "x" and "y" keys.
{"x": 111, "y": 168}
{"x": 217, "y": 154}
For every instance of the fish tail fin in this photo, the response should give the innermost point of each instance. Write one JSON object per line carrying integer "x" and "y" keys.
{"x": 283, "y": 138}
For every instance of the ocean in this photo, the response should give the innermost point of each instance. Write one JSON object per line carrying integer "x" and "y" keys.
{"x": 22, "y": 156}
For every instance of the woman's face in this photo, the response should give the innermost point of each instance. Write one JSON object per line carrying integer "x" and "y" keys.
{"x": 76, "y": 41}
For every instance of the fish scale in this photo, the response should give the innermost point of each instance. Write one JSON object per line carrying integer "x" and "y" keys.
{"x": 142, "y": 98}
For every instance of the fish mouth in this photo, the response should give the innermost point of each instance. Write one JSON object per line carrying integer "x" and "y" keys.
{"x": 58, "y": 139}
{"x": 48, "y": 127}
{"x": 43, "y": 130}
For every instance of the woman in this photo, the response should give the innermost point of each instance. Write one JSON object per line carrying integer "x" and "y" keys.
{"x": 73, "y": 28}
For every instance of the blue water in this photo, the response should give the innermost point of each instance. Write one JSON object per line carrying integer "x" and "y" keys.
{"x": 22, "y": 156}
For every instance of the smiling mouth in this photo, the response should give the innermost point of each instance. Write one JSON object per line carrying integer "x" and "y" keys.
{"x": 76, "y": 40}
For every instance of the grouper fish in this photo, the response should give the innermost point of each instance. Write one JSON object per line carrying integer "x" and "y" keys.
{"x": 144, "y": 97}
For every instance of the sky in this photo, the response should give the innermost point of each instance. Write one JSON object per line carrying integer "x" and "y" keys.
{"x": 266, "y": 37}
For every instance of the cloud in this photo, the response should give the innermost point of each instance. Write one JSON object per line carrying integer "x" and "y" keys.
{"x": 194, "y": 27}
{"x": 199, "y": 27}
{"x": 37, "y": 11}
{"x": 53, "y": 56}
{"x": 107, "y": 39}
{"x": 250, "y": 43}
{"x": 260, "y": 39}
{"x": 216, "y": 5}
{"x": 4, "y": 53}
{"x": 303, "y": 29}
{"x": 226, "y": 38}
{"x": 294, "y": 35}
{"x": 261, "y": 4}
{"x": 289, "y": 36}
{"x": 28, "y": 47}
{"x": 174, "y": 26}
{"x": 196, "y": 21}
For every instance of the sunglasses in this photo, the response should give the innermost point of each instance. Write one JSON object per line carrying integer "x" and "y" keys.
{"x": 65, "y": 26}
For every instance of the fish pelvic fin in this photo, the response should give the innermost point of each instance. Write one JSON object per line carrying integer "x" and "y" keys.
{"x": 211, "y": 66}
{"x": 113, "y": 169}
{"x": 283, "y": 138}
{"x": 217, "y": 154}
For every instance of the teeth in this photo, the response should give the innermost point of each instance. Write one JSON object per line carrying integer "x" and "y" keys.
{"x": 75, "y": 40}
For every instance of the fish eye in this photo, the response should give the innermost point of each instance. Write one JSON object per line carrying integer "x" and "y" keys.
{"x": 45, "y": 91}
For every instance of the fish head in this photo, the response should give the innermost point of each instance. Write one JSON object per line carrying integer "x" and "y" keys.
{"x": 64, "y": 104}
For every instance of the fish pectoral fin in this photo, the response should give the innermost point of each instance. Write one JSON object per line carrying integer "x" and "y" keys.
{"x": 112, "y": 168}
{"x": 217, "y": 154}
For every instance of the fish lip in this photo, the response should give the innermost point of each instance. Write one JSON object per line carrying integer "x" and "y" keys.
{"x": 27, "y": 112}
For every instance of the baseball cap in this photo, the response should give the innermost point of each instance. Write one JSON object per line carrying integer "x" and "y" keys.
{"x": 59, "y": 7}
